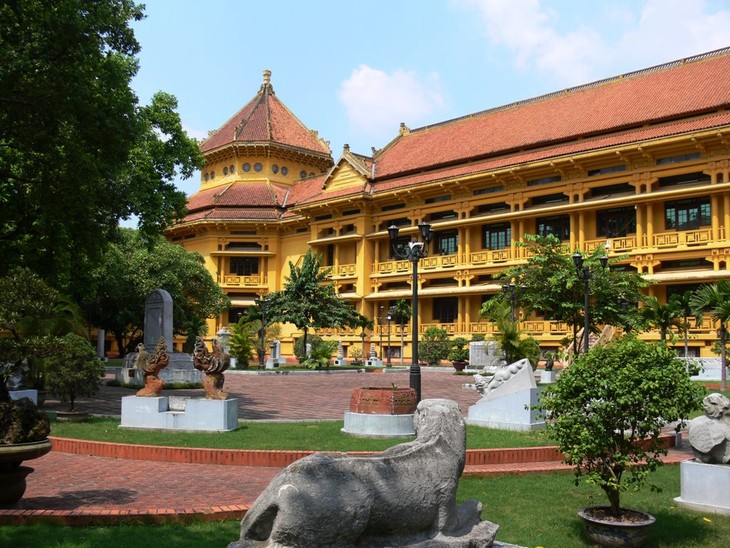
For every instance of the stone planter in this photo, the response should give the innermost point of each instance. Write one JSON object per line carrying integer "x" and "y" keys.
{"x": 383, "y": 401}
{"x": 616, "y": 533}
{"x": 12, "y": 474}
{"x": 459, "y": 365}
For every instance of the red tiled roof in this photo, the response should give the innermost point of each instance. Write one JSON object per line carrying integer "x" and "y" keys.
{"x": 305, "y": 189}
{"x": 266, "y": 119}
{"x": 233, "y": 214}
{"x": 650, "y": 96}
{"x": 574, "y": 147}
{"x": 236, "y": 194}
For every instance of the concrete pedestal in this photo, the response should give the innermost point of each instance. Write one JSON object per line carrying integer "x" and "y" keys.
{"x": 548, "y": 376}
{"x": 509, "y": 412}
{"x": 199, "y": 415}
{"x": 378, "y": 426}
{"x": 704, "y": 487}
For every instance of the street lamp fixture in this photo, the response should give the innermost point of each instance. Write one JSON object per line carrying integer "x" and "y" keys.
{"x": 511, "y": 290}
{"x": 585, "y": 274}
{"x": 414, "y": 252}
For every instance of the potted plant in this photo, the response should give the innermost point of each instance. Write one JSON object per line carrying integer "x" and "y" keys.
{"x": 241, "y": 343}
{"x": 72, "y": 371}
{"x": 434, "y": 347}
{"x": 606, "y": 412}
{"x": 459, "y": 353}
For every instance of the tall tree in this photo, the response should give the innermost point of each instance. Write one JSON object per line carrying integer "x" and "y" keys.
{"x": 130, "y": 270}
{"x": 550, "y": 285}
{"x": 77, "y": 151}
{"x": 715, "y": 299}
{"x": 308, "y": 301}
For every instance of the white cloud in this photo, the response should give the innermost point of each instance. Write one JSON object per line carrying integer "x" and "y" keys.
{"x": 633, "y": 34}
{"x": 376, "y": 102}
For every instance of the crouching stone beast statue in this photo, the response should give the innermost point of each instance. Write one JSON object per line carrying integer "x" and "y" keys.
{"x": 405, "y": 496}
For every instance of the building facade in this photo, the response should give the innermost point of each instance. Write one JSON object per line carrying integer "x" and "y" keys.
{"x": 639, "y": 163}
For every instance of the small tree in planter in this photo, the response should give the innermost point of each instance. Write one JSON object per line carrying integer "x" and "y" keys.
{"x": 73, "y": 370}
{"x": 607, "y": 410}
{"x": 459, "y": 354}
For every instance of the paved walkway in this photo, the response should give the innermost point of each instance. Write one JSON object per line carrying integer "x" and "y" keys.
{"x": 77, "y": 489}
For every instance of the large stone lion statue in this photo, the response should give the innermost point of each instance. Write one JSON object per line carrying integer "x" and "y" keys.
{"x": 405, "y": 496}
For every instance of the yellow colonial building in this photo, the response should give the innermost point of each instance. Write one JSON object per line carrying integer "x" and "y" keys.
{"x": 639, "y": 162}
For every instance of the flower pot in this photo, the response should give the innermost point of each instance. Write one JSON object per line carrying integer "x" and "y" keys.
{"x": 459, "y": 365}
{"x": 12, "y": 474}
{"x": 72, "y": 416}
{"x": 631, "y": 529}
{"x": 383, "y": 401}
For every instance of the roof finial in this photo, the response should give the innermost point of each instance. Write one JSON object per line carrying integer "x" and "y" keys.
{"x": 267, "y": 77}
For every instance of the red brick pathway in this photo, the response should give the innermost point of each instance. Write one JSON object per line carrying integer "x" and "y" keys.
{"x": 78, "y": 489}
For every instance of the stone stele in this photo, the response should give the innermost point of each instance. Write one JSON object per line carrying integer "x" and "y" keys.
{"x": 405, "y": 496}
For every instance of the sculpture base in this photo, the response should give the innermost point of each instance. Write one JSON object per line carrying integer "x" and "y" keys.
{"x": 509, "y": 412}
{"x": 548, "y": 376}
{"x": 32, "y": 394}
{"x": 200, "y": 414}
{"x": 704, "y": 487}
{"x": 378, "y": 426}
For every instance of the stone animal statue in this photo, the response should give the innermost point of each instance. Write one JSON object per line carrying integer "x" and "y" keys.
{"x": 212, "y": 364}
{"x": 485, "y": 385}
{"x": 405, "y": 496}
{"x": 152, "y": 365}
{"x": 709, "y": 436}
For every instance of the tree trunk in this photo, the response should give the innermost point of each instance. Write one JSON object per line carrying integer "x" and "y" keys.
{"x": 723, "y": 358}
{"x": 402, "y": 346}
{"x": 613, "y": 500}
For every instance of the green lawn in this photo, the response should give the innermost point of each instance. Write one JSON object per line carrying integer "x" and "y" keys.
{"x": 532, "y": 510}
{"x": 319, "y": 436}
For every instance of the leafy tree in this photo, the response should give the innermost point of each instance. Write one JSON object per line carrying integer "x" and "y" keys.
{"x": 550, "y": 284}
{"x": 308, "y": 301}
{"x": 195, "y": 327}
{"x": 402, "y": 314}
{"x": 241, "y": 341}
{"x": 78, "y": 153}
{"x": 73, "y": 369}
{"x": 662, "y": 316}
{"x": 607, "y": 411}
{"x": 435, "y": 346}
{"x": 130, "y": 270}
{"x": 300, "y": 346}
{"x": 715, "y": 299}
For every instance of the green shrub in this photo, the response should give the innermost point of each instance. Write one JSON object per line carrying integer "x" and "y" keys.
{"x": 299, "y": 350}
{"x": 607, "y": 411}
{"x": 73, "y": 370}
{"x": 435, "y": 346}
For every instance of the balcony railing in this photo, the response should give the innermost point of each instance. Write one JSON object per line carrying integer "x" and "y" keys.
{"x": 685, "y": 238}
{"x": 233, "y": 280}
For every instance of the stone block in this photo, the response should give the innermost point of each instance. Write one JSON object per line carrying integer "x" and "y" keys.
{"x": 28, "y": 393}
{"x": 378, "y": 426}
{"x": 548, "y": 376}
{"x": 199, "y": 414}
{"x": 511, "y": 411}
{"x": 704, "y": 487}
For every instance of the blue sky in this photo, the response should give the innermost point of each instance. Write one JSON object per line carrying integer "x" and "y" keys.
{"x": 354, "y": 70}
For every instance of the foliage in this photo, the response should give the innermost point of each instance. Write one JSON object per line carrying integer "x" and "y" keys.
{"x": 459, "y": 350}
{"x": 130, "y": 270}
{"x": 356, "y": 355}
{"x": 300, "y": 348}
{"x": 509, "y": 337}
{"x": 195, "y": 327}
{"x": 607, "y": 410}
{"x": 79, "y": 153}
{"x": 477, "y": 337}
{"x": 34, "y": 315}
{"x": 550, "y": 285}
{"x": 402, "y": 313}
{"x": 308, "y": 301}
{"x": 21, "y": 422}
{"x": 241, "y": 342}
{"x": 73, "y": 369}
{"x": 663, "y": 316}
{"x": 435, "y": 346}
{"x": 715, "y": 299}
{"x": 320, "y": 354}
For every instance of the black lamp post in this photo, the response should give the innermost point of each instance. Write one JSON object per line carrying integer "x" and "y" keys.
{"x": 262, "y": 302}
{"x": 380, "y": 328}
{"x": 585, "y": 274}
{"x": 511, "y": 289}
{"x": 389, "y": 317}
{"x": 414, "y": 252}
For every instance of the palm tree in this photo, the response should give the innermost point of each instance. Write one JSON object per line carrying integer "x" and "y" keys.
{"x": 402, "y": 313}
{"x": 662, "y": 316}
{"x": 363, "y": 322}
{"x": 715, "y": 299}
{"x": 683, "y": 304}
